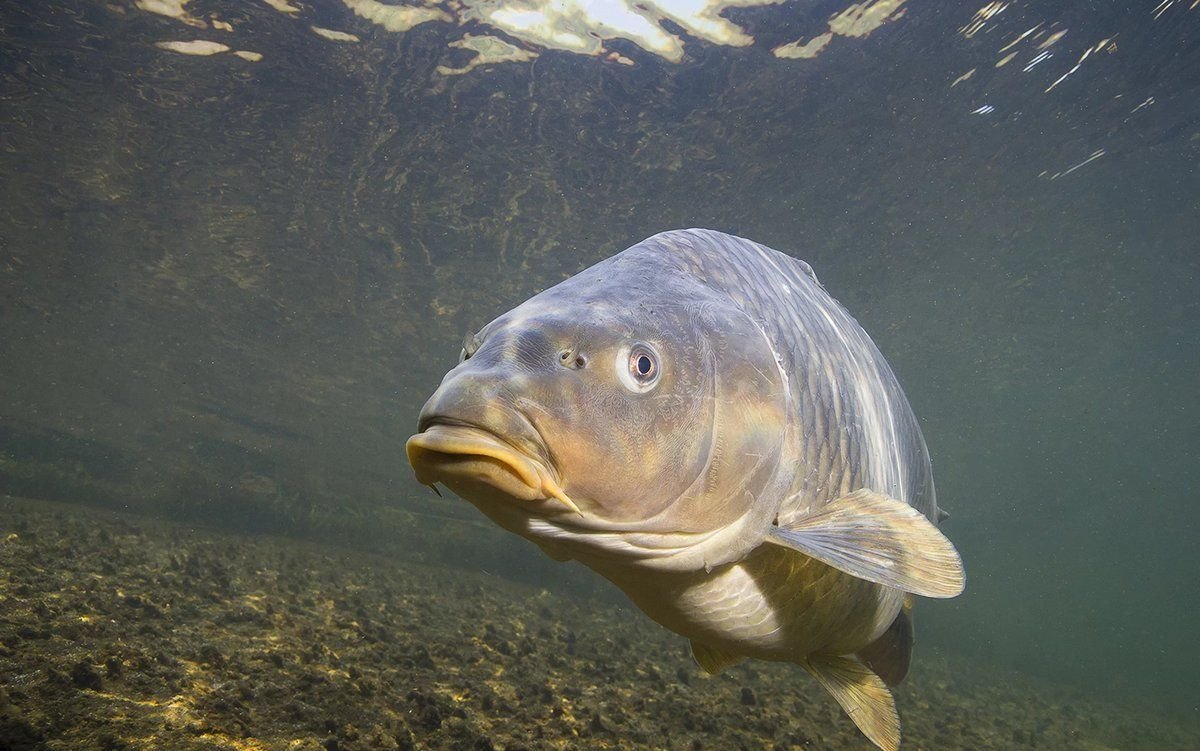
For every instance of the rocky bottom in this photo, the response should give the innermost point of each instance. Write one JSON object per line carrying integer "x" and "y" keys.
{"x": 122, "y": 633}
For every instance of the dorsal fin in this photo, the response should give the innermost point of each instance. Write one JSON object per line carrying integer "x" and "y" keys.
{"x": 890, "y": 654}
{"x": 862, "y": 695}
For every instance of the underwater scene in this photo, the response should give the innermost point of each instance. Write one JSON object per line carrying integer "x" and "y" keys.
{"x": 517, "y": 375}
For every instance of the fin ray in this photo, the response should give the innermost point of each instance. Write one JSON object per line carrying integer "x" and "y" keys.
{"x": 877, "y": 538}
{"x": 863, "y": 696}
{"x": 712, "y": 659}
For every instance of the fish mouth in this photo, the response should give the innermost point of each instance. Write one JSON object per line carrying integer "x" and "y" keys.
{"x": 474, "y": 462}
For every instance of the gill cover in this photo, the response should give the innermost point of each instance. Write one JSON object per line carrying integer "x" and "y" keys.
{"x": 654, "y": 401}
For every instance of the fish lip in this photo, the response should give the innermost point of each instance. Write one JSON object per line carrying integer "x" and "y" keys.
{"x": 524, "y": 427}
{"x": 456, "y": 438}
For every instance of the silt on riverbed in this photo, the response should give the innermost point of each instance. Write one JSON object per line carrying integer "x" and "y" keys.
{"x": 122, "y": 633}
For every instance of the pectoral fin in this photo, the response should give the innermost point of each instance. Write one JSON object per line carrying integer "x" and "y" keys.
{"x": 877, "y": 538}
{"x": 862, "y": 695}
{"x": 713, "y": 660}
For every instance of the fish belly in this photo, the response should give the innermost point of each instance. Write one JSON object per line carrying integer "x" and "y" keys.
{"x": 773, "y": 605}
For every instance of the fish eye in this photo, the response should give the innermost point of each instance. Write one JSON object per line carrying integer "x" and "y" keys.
{"x": 643, "y": 366}
{"x": 638, "y": 367}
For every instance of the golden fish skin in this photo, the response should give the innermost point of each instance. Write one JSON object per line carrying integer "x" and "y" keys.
{"x": 698, "y": 421}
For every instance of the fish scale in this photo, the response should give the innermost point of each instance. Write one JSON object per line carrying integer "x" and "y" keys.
{"x": 811, "y": 328}
{"x": 699, "y": 422}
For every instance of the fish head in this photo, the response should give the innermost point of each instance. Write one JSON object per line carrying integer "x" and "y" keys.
{"x": 635, "y": 417}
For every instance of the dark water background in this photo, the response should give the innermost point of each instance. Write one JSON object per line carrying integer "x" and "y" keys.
{"x": 226, "y": 287}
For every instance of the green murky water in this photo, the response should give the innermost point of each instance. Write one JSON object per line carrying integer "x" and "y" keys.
{"x": 227, "y": 285}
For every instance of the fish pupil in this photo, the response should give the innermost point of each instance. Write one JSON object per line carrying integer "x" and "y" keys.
{"x": 639, "y": 371}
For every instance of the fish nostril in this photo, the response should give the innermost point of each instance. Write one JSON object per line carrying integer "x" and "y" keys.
{"x": 570, "y": 358}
